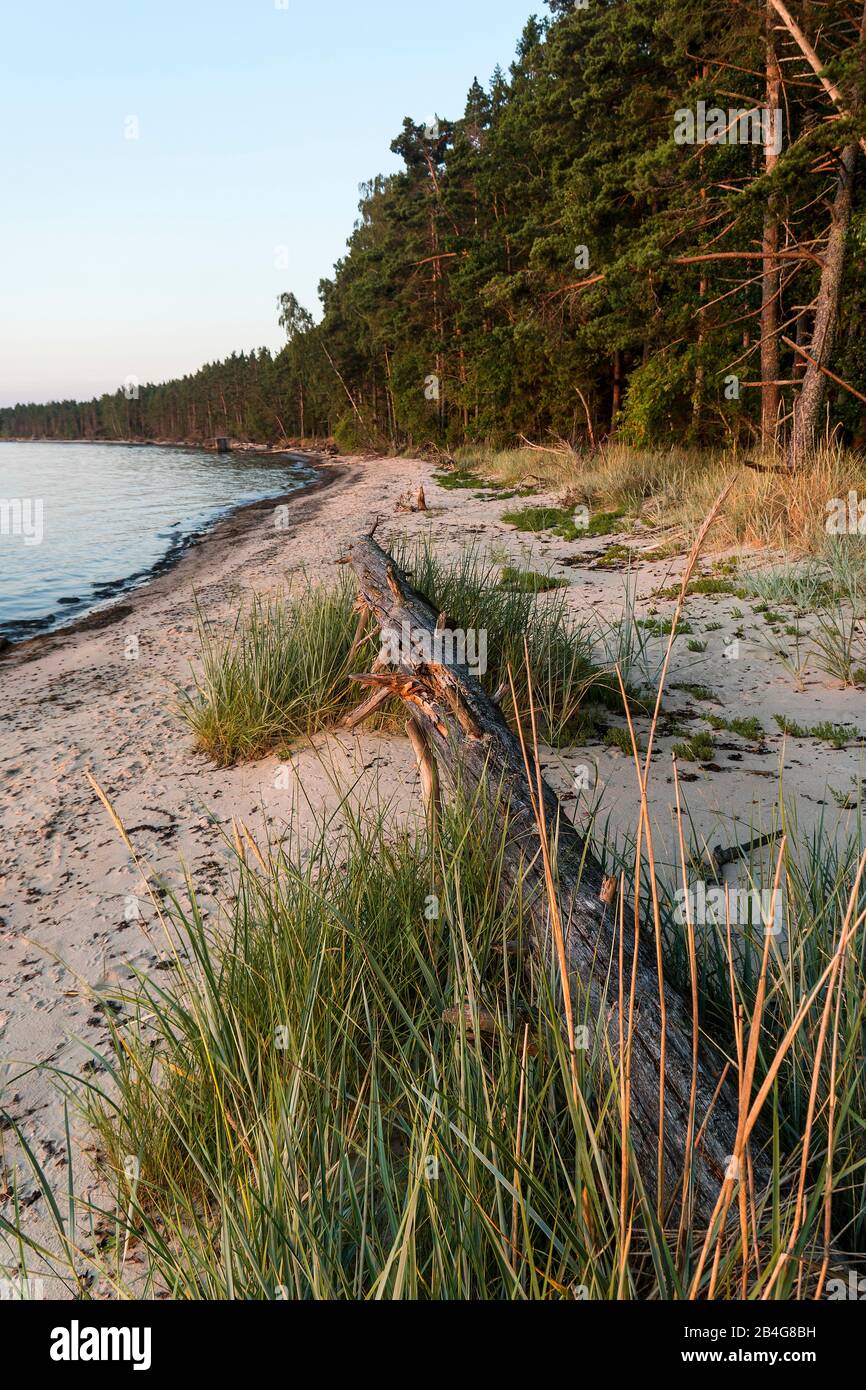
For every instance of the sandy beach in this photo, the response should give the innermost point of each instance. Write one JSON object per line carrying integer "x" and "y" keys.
{"x": 74, "y": 911}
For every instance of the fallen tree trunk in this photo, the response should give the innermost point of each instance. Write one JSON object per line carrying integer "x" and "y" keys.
{"x": 469, "y": 736}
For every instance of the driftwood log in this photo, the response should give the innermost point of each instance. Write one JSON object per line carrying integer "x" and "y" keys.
{"x": 467, "y": 734}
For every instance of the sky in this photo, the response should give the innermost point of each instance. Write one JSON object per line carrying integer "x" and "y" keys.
{"x": 168, "y": 167}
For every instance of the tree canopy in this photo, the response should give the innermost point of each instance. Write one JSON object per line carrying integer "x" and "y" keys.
{"x": 629, "y": 230}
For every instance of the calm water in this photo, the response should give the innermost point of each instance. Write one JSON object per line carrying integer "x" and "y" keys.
{"x": 82, "y": 522}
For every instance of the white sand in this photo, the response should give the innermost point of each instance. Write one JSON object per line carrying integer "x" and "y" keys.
{"x": 73, "y": 704}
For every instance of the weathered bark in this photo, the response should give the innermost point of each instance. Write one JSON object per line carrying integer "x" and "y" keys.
{"x": 807, "y": 408}
{"x": 469, "y": 735}
{"x": 427, "y": 769}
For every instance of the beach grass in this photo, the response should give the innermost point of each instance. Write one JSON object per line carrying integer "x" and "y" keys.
{"x": 278, "y": 672}
{"x": 674, "y": 488}
{"x": 353, "y": 1085}
{"x": 282, "y": 670}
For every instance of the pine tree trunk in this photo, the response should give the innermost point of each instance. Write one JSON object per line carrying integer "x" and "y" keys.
{"x": 808, "y": 405}
{"x": 771, "y": 278}
{"x": 616, "y": 403}
{"x": 807, "y": 409}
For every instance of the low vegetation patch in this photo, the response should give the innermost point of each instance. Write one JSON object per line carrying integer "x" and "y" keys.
{"x": 561, "y": 521}
{"x": 530, "y": 581}
{"x": 700, "y": 748}
{"x": 460, "y": 478}
{"x": 614, "y": 557}
{"x": 709, "y": 584}
{"x": 747, "y": 728}
{"x": 839, "y": 735}
{"x": 662, "y": 627}
{"x": 620, "y": 738}
{"x": 697, "y": 692}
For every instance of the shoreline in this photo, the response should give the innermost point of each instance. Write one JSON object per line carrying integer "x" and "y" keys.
{"x": 105, "y": 610}
{"x": 77, "y": 910}
{"x": 235, "y": 446}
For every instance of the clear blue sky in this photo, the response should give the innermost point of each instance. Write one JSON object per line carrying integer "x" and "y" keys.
{"x": 256, "y": 123}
